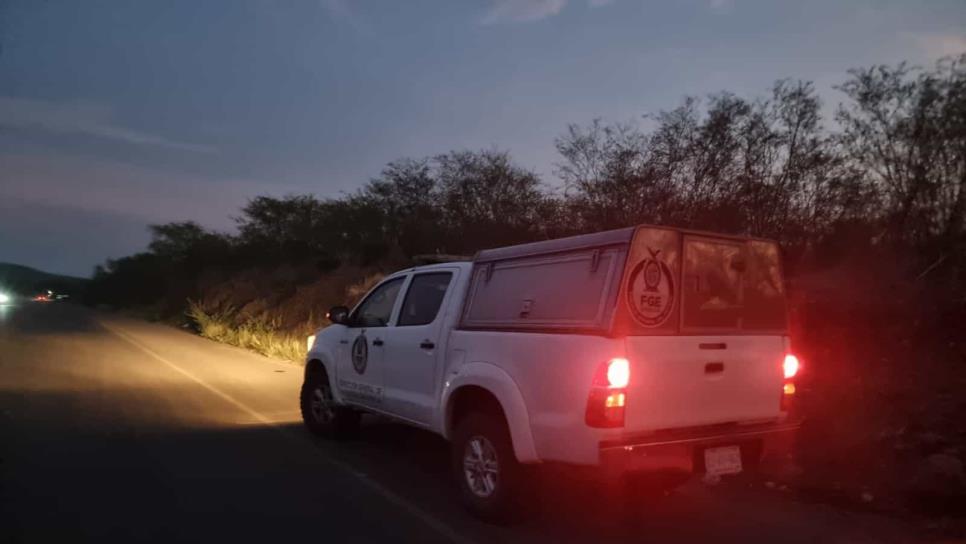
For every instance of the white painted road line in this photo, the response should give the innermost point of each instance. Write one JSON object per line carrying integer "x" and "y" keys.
{"x": 434, "y": 523}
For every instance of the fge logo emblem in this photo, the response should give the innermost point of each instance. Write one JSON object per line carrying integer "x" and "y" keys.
{"x": 360, "y": 353}
{"x": 650, "y": 291}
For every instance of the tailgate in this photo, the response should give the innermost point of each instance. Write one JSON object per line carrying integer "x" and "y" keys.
{"x": 684, "y": 381}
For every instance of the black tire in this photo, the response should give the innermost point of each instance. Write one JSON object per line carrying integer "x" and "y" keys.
{"x": 505, "y": 502}
{"x": 320, "y": 413}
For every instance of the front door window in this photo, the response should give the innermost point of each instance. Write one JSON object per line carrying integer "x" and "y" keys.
{"x": 376, "y": 310}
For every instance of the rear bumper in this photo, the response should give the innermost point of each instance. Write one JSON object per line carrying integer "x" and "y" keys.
{"x": 682, "y": 449}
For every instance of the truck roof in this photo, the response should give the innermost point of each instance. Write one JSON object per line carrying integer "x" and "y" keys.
{"x": 595, "y": 239}
{"x": 585, "y": 241}
{"x": 463, "y": 265}
{"x": 558, "y": 245}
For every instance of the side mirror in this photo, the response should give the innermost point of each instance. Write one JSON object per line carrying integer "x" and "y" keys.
{"x": 338, "y": 315}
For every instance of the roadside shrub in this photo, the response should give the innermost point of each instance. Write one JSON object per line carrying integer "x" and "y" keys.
{"x": 259, "y": 334}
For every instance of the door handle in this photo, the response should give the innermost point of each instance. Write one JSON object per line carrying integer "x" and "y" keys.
{"x": 427, "y": 345}
{"x": 377, "y": 342}
{"x": 713, "y": 345}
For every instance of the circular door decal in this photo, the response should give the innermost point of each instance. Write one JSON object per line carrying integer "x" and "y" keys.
{"x": 650, "y": 291}
{"x": 360, "y": 353}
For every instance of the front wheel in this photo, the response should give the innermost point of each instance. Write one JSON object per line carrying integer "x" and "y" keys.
{"x": 320, "y": 413}
{"x": 491, "y": 481}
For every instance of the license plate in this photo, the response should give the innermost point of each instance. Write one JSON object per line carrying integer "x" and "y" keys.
{"x": 724, "y": 460}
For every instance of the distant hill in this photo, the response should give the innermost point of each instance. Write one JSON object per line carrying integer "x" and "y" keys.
{"x": 27, "y": 281}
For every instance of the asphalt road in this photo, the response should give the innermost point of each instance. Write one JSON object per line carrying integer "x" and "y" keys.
{"x": 116, "y": 430}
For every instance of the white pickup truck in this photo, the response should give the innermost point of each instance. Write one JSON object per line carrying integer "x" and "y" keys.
{"x": 644, "y": 349}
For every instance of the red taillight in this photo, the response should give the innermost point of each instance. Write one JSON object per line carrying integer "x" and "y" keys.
{"x": 614, "y": 374}
{"x": 790, "y": 366}
{"x": 618, "y": 373}
{"x": 605, "y": 404}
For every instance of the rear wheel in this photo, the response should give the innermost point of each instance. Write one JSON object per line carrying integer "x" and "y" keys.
{"x": 491, "y": 481}
{"x": 320, "y": 412}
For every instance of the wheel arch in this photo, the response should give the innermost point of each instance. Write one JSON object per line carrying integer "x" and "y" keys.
{"x": 486, "y": 387}
{"x": 317, "y": 364}
{"x": 468, "y": 399}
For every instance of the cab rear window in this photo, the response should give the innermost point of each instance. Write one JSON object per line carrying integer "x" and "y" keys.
{"x": 423, "y": 299}
{"x": 732, "y": 285}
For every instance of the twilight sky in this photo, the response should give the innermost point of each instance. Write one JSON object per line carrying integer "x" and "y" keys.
{"x": 118, "y": 114}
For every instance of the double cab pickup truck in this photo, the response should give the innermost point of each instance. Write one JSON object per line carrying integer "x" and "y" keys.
{"x": 639, "y": 350}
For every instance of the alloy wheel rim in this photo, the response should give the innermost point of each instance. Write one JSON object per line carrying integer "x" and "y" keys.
{"x": 321, "y": 406}
{"x": 481, "y": 468}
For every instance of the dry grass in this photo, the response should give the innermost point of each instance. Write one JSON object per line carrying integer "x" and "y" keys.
{"x": 249, "y": 313}
{"x": 259, "y": 334}
{"x": 264, "y": 312}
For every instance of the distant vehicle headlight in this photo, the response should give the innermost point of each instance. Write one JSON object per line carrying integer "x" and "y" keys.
{"x": 4, "y": 298}
{"x": 310, "y": 342}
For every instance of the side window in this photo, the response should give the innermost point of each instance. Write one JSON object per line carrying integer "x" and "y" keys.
{"x": 552, "y": 291}
{"x": 764, "y": 288}
{"x": 376, "y": 310}
{"x": 424, "y": 297}
{"x": 711, "y": 290}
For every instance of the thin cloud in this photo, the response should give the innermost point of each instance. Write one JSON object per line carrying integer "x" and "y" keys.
{"x": 522, "y": 11}
{"x": 340, "y": 12}
{"x": 721, "y": 6}
{"x": 528, "y": 11}
{"x": 80, "y": 118}
{"x": 937, "y": 45}
{"x": 95, "y": 185}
